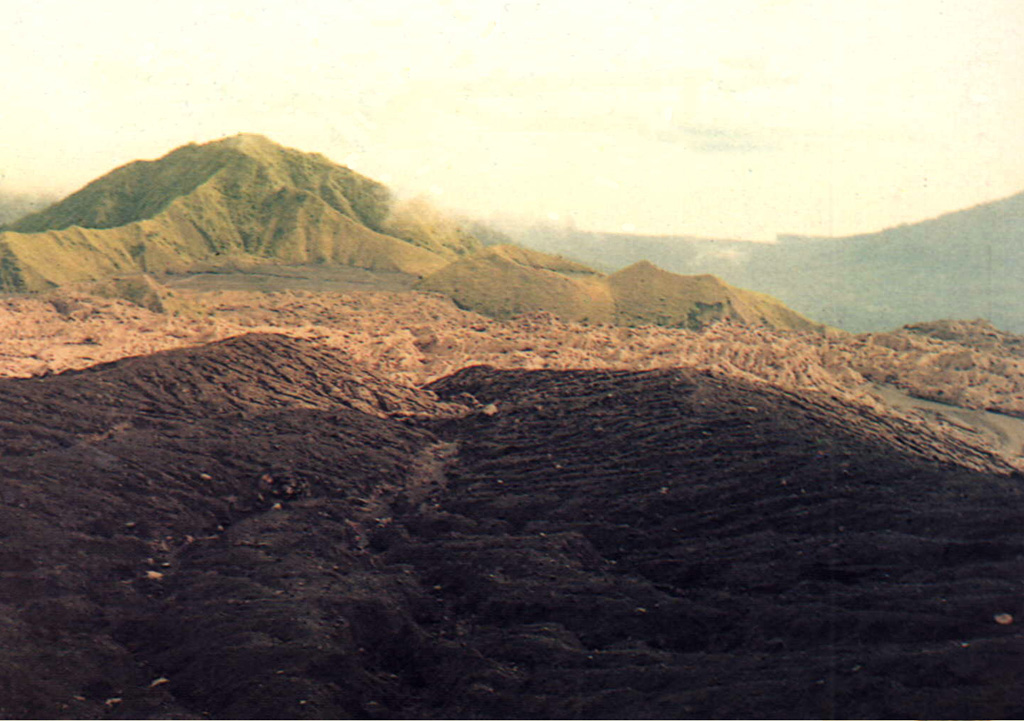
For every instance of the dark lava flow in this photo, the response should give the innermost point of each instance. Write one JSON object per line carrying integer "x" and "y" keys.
{"x": 259, "y": 529}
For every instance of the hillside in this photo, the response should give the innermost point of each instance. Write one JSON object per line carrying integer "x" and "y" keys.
{"x": 265, "y": 528}
{"x": 240, "y": 205}
{"x": 963, "y": 265}
{"x": 242, "y": 199}
{"x": 419, "y": 222}
{"x": 647, "y": 295}
{"x": 503, "y": 281}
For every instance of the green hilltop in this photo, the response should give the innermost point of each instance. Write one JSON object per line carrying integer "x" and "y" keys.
{"x": 242, "y": 198}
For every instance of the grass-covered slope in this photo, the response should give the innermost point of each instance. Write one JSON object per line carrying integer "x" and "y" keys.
{"x": 503, "y": 281}
{"x": 245, "y": 169}
{"x": 242, "y": 197}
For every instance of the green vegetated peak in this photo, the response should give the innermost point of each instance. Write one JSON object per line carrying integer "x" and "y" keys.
{"x": 240, "y": 198}
{"x": 243, "y": 169}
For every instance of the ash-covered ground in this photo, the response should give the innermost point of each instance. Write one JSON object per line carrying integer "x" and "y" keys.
{"x": 264, "y": 527}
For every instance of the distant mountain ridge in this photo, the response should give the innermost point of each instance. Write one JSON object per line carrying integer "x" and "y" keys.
{"x": 243, "y": 198}
{"x": 962, "y": 265}
{"x": 243, "y": 202}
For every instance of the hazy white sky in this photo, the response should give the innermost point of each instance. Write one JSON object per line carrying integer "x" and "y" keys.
{"x": 732, "y": 118}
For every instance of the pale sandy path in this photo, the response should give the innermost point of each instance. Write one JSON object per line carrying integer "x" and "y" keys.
{"x": 1005, "y": 433}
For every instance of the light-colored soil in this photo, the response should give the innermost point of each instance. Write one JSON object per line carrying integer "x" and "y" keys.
{"x": 1002, "y": 432}
{"x": 417, "y": 337}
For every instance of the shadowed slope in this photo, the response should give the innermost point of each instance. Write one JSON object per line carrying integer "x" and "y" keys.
{"x": 675, "y": 545}
{"x": 224, "y": 532}
{"x": 111, "y": 476}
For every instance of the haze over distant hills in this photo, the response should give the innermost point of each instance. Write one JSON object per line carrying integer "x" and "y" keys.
{"x": 964, "y": 265}
{"x": 244, "y": 203}
{"x": 17, "y": 205}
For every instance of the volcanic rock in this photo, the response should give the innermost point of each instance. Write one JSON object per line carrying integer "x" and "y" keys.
{"x": 271, "y": 531}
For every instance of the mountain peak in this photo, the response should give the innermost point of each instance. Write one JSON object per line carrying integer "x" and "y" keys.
{"x": 247, "y": 166}
{"x": 646, "y": 270}
{"x": 240, "y": 196}
{"x": 263, "y": 150}
{"x": 246, "y": 140}
{"x": 642, "y": 266}
{"x": 251, "y": 144}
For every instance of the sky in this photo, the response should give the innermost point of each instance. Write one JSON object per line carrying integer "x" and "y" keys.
{"x": 727, "y": 119}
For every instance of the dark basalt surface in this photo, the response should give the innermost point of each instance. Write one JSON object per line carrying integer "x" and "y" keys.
{"x": 259, "y": 529}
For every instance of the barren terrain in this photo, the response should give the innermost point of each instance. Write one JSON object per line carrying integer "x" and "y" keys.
{"x": 265, "y": 527}
{"x": 418, "y": 337}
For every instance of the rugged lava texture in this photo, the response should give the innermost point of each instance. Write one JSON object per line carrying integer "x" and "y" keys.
{"x": 259, "y": 528}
